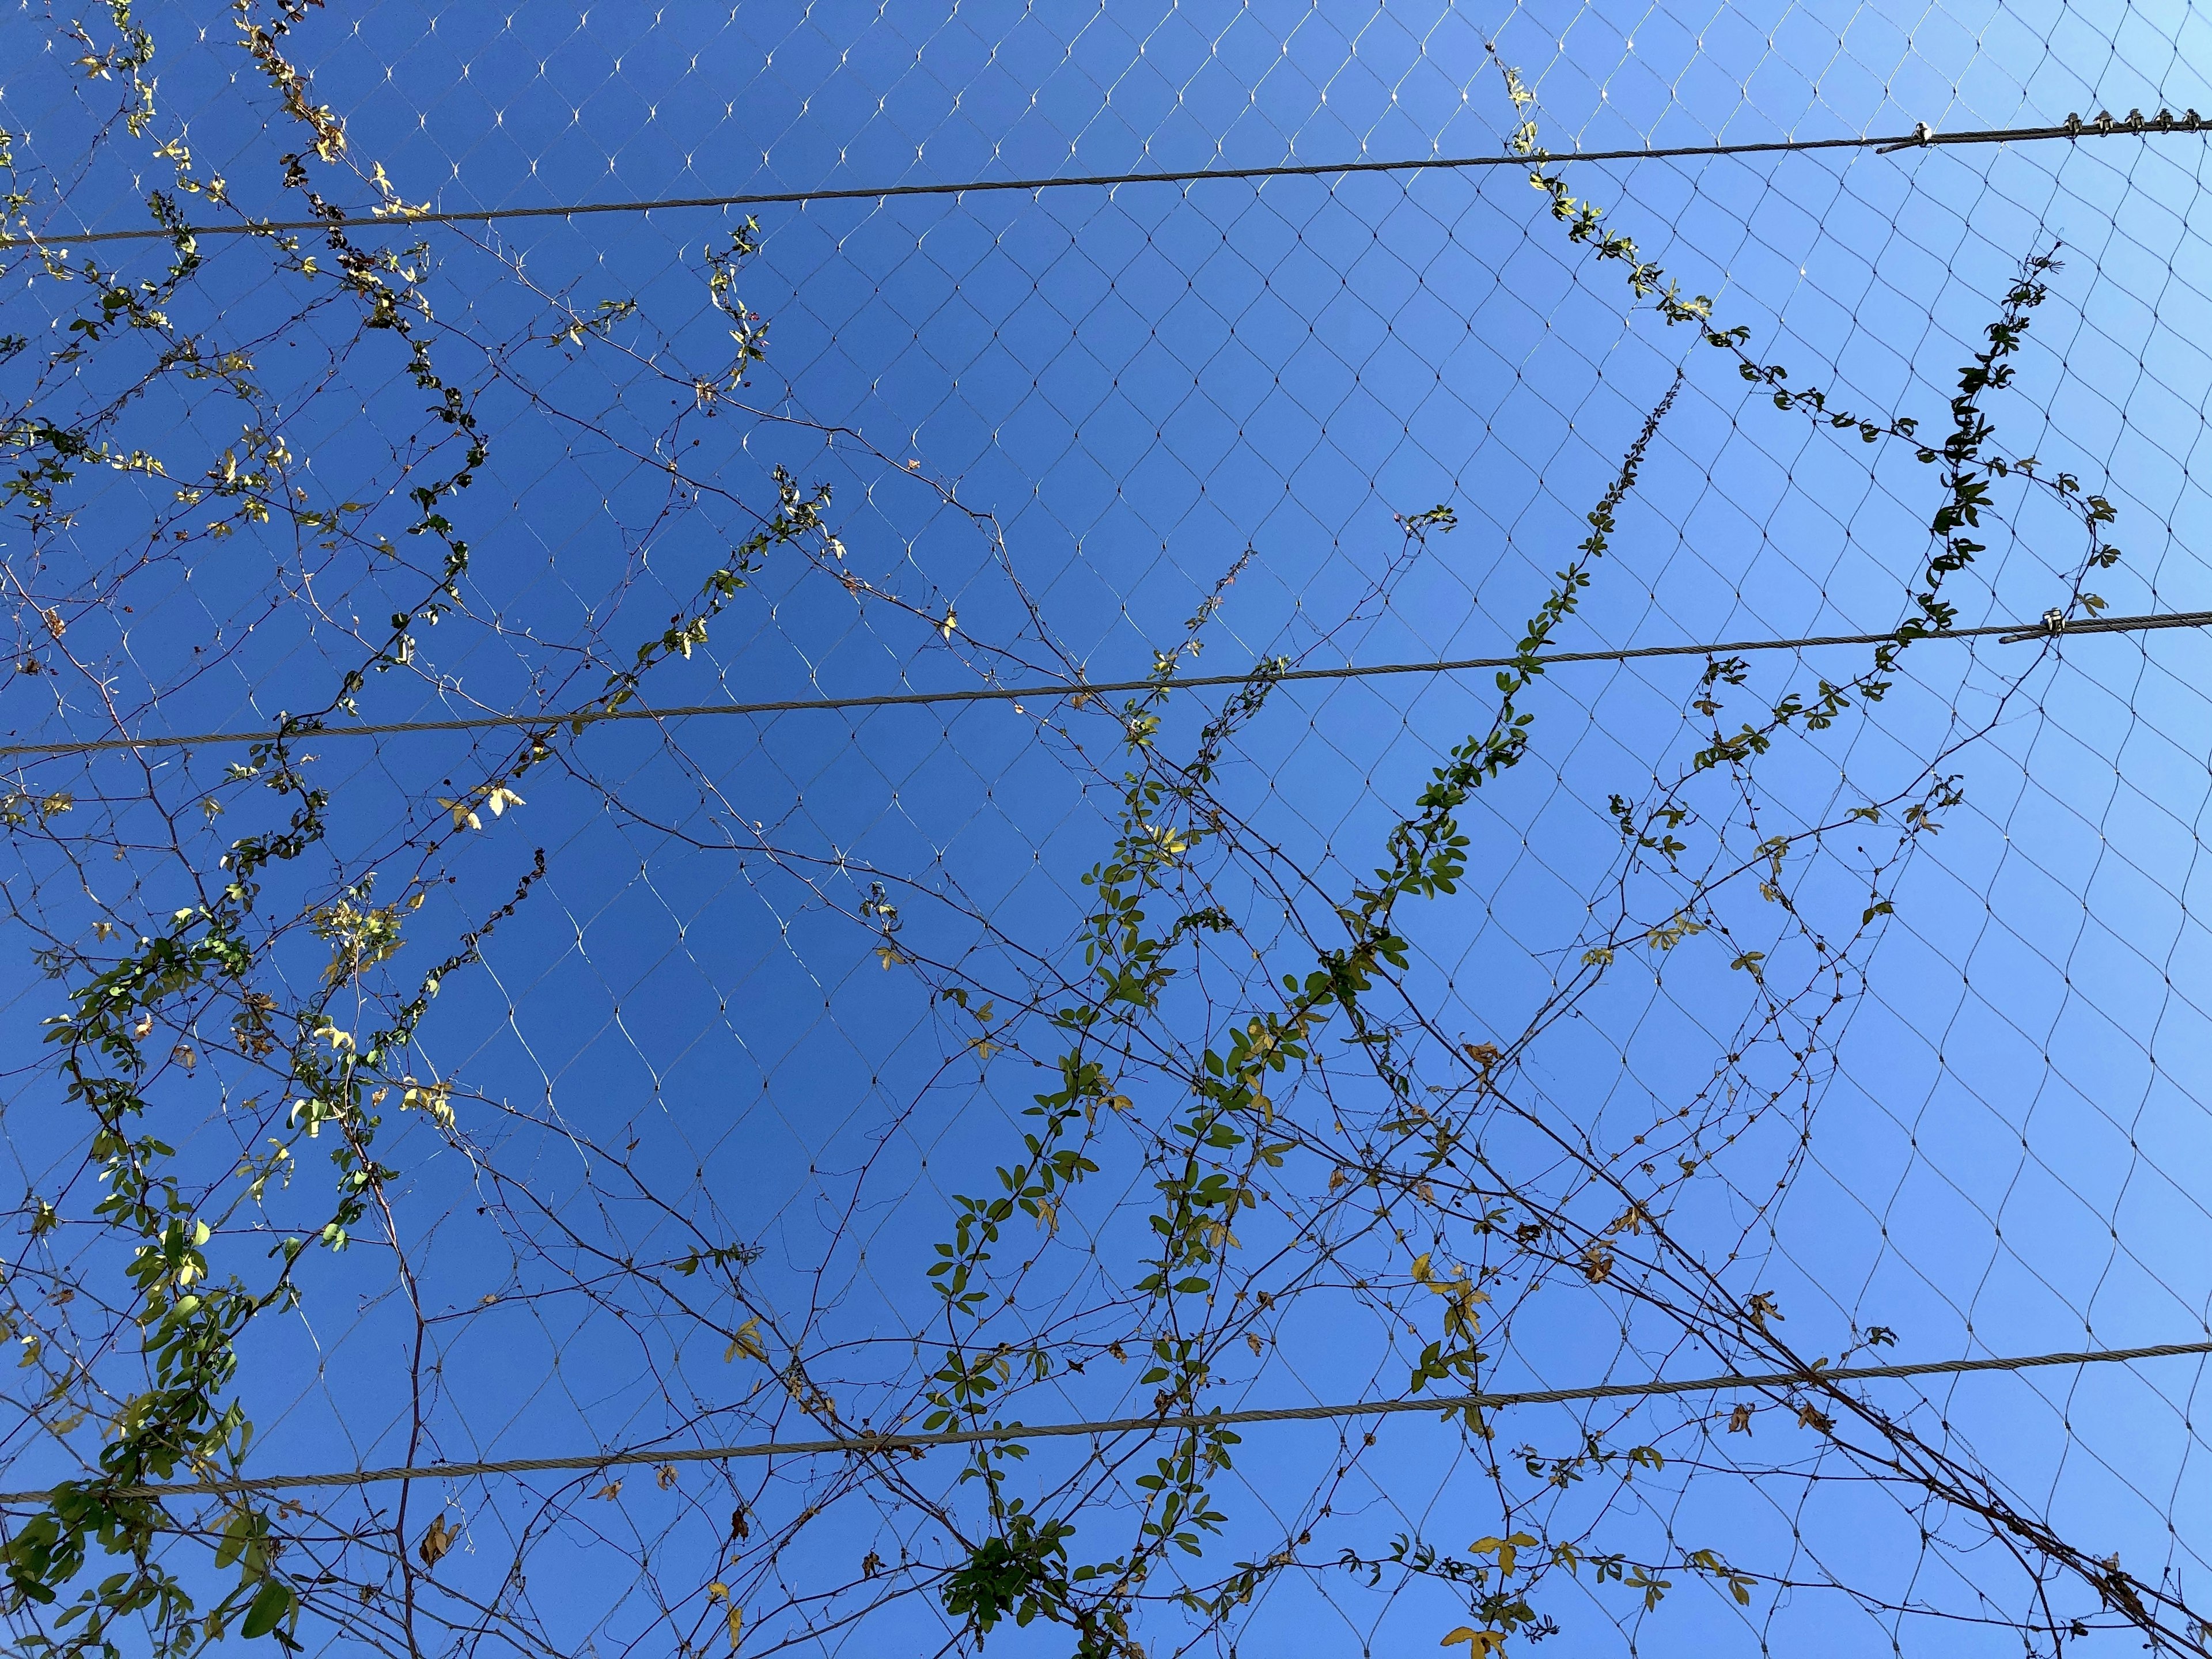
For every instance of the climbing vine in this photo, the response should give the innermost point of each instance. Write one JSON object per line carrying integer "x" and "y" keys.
{"x": 1261, "y": 1103}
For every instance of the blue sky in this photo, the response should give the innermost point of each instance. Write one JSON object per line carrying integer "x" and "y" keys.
{"x": 1064, "y": 418}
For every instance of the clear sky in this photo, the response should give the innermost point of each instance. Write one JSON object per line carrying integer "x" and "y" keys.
{"x": 1053, "y": 422}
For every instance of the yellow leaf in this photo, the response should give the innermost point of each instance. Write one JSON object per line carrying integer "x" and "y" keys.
{"x": 1504, "y": 1548}
{"x": 747, "y": 1342}
{"x": 1480, "y": 1643}
{"x": 737, "y": 1627}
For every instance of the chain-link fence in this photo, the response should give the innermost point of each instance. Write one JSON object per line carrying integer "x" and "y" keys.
{"x": 1294, "y": 901}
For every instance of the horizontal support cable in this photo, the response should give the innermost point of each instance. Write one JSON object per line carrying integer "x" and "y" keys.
{"x": 874, "y": 1444}
{"x": 2135, "y": 124}
{"x": 546, "y": 721}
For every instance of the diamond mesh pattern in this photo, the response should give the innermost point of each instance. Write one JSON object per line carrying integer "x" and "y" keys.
{"x": 736, "y": 1012}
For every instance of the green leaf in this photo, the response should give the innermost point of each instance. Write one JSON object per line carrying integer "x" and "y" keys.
{"x": 233, "y": 1541}
{"x": 269, "y": 1608}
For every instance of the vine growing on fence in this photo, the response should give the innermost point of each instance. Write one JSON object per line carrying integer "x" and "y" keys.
{"x": 1263, "y": 1109}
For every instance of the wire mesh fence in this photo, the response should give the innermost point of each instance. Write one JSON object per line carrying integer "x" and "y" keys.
{"x": 857, "y": 1134}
